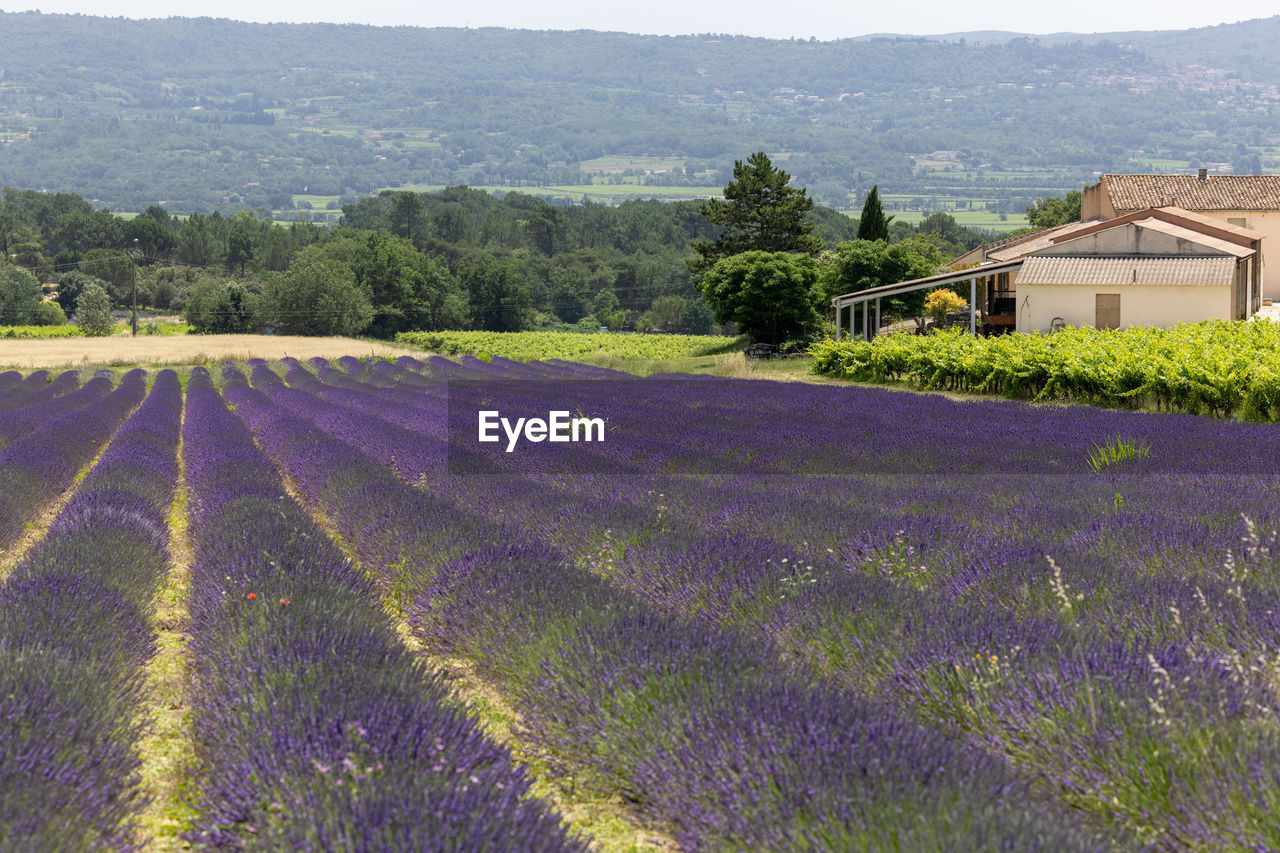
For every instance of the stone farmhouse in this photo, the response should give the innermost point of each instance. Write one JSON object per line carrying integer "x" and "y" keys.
{"x": 1155, "y": 266}
{"x": 1247, "y": 201}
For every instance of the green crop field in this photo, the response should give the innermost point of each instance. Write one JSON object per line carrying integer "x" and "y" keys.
{"x": 601, "y": 193}
{"x": 526, "y": 346}
{"x": 621, "y": 162}
{"x": 621, "y": 192}
{"x": 1157, "y": 164}
{"x": 984, "y": 219}
{"x": 317, "y": 202}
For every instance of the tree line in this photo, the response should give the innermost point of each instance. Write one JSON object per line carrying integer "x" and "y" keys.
{"x": 460, "y": 258}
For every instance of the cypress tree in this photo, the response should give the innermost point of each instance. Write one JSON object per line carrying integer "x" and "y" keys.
{"x": 873, "y": 224}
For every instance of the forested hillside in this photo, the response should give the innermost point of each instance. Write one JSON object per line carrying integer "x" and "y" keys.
{"x": 203, "y": 114}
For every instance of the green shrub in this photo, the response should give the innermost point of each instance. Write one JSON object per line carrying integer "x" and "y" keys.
{"x": 49, "y": 314}
{"x": 66, "y": 331}
{"x": 1105, "y": 455}
{"x": 93, "y": 312}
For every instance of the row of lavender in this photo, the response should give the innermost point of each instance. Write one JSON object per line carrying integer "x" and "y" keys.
{"x": 315, "y": 727}
{"x": 38, "y": 465}
{"x": 709, "y": 731}
{"x": 17, "y": 391}
{"x": 1141, "y": 647}
{"x": 74, "y": 616}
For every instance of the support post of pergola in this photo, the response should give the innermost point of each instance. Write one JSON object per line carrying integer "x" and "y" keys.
{"x": 973, "y": 306}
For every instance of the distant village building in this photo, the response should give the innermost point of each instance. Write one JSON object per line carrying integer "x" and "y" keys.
{"x": 1247, "y": 201}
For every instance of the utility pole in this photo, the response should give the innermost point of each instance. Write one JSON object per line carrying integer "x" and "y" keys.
{"x": 134, "y": 320}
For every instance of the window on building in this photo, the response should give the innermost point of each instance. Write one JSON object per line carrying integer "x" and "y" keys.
{"x": 1241, "y": 221}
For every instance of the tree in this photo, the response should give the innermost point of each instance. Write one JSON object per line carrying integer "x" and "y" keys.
{"x": 242, "y": 239}
{"x": 767, "y": 294}
{"x": 93, "y": 312}
{"x": 408, "y": 290}
{"x": 27, "y": 249}
{"x": 221, "y": 307}
{"x": 664, "y": 314}
{"x": 112, "y": 266}
{"x": 952, "y": 238}
{"x": 1048, "y": 211}
{"x": 406, "y": 215}
{"x": 73, "y": 282}
{"x": 1249, "y": 163}
{"x": 316, "y": 296}
{"x": 154, "y": 239}
{"x": 545, "y": 228}
{"x": 20, "y": 295}
{"x": 569, "y": 292}
{"x": 696, "y": 318}
{"x": 862, "y": 264}
{"x": 605, "y": 309}
{"x": 872, "y": 223}
{"x": 199, "y": 241}
{"x": 501, "y": 300}
{"x": 760, "y": 212}
{"x": 49, "y": 314}
{"x": 942, "y": 301}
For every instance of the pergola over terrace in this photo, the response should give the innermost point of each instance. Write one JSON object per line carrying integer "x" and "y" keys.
{"x": 866, "y": 298}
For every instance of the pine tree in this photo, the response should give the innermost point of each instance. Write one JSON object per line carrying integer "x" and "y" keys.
{"x": 760, "y": 212}
{"x": 873, "y": 224}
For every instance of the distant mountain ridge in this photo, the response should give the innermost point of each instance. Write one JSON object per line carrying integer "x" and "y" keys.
{"x": 1240, "y": 45}
{"x": 203, "y": 113}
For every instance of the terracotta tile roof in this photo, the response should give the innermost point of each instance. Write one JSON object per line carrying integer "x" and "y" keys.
{"x": 1216, "y": 192}
{"x": 1118, "y": 272}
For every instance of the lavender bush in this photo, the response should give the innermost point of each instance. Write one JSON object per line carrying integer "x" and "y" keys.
{"x": 75, "y": 633}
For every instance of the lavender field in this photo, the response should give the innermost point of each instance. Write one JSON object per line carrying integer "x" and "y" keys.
{"x": 756, "y": 616}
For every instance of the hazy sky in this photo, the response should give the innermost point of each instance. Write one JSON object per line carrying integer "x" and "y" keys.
{"x": 798, "y": 18}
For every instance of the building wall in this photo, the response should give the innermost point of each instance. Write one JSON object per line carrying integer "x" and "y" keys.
{"x": 1267, "y": 223}
{"x": 1132, "y": 239}
{"x": 1149, "y": 305}
{"x": 1096, "y": 203}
